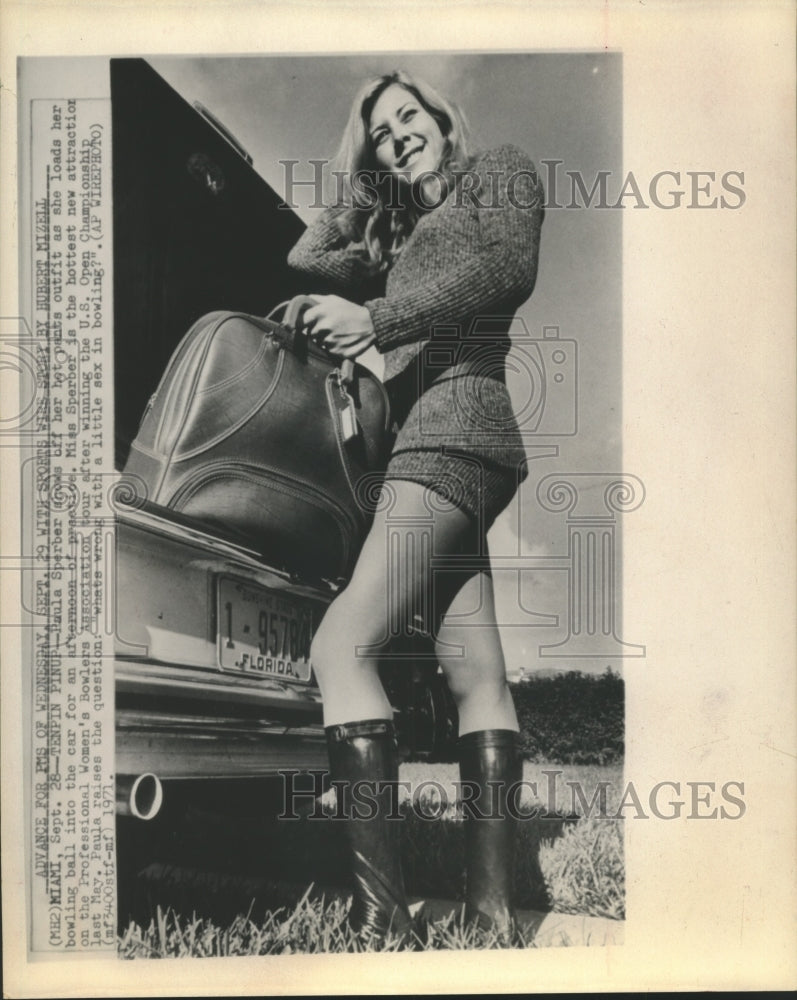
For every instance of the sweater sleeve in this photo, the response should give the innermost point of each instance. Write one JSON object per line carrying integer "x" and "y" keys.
{"x": 499, "y": 274}
{"x": 324, "y": 251}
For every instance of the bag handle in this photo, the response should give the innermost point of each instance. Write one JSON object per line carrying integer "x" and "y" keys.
{"x": 291, "y": 312}
{"x": 295, "y": 308}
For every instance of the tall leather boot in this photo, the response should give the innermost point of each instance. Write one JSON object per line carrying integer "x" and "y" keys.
{"x": 368, "y": 752}
{"x": 491, "y": 761}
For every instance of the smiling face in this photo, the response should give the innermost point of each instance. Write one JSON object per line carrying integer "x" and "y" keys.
{"x": 406, "y": 139}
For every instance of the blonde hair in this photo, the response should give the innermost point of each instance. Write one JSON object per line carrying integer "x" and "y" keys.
{"x": 372, "y": 214}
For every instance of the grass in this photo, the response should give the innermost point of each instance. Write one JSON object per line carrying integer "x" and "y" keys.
{"x": 313, "y": 926}
{"x": 245, "y": 901}
{"x": 584, "y": 871}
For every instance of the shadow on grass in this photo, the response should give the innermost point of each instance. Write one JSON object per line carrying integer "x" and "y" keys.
{"x": 221, "y": 855}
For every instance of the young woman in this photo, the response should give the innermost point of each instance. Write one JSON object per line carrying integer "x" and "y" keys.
{"x": 431, "y": 251}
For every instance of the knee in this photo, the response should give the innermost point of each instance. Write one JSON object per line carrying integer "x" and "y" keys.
{"x": 466, "y": 680}
{"x": 341, "y": 640}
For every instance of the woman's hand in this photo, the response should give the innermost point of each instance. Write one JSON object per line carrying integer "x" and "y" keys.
{"x": 343, "y": 327}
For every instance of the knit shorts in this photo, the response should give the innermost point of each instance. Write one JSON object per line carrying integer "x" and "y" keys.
{"x": 479, "y": 487}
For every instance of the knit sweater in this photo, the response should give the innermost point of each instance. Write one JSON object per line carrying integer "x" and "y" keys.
{"x": 473, "y": 258}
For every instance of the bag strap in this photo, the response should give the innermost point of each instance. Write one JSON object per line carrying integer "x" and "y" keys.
{"x": 289, "y": 315}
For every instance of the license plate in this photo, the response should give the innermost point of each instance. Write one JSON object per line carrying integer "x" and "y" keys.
{"x": 263, "y": 632}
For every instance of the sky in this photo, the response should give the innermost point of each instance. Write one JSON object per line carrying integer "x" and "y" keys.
{"x": 557, "y": 107}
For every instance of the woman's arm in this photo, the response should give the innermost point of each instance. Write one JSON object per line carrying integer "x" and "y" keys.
{"x": 499, "y": 275}
{"x": 324, "y": 251}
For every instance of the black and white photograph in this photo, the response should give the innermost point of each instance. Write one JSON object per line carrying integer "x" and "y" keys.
{"x": 374, "y": 588}
{"x": 442, "y": 588}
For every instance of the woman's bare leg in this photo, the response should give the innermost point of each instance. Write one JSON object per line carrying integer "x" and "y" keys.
{"x": 477, "y": 677}
{"x": 391, "y": 582}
